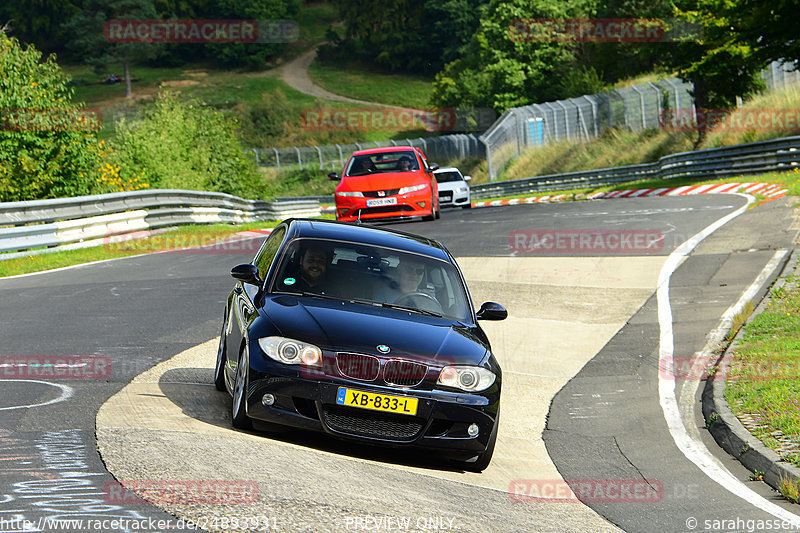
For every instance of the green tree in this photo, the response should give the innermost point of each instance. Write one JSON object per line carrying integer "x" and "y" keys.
{"x": 38, "y": 21}
{"x": 502, "y": 68}
{"x": 87, "y": 39}
{"x": 253, "y": 55}
{"x": 48, "y": 147}
{"x": 184, "y": 145}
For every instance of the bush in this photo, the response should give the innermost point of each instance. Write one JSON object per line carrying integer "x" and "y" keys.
{"x": 48, "y": 146}
{"x": 185, "y": 145}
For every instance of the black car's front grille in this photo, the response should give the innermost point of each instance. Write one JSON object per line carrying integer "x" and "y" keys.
{"x": 364, "y": 423}
{"x": 357, "y": 366}
{"x": 377, "y": 194}
{"x": 404, "y": 373}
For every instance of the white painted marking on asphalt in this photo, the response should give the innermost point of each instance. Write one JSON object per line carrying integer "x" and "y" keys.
{"x": 66, "y": 394}
{"x": 694, "y": 450}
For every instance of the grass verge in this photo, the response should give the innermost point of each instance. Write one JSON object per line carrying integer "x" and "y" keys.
{"x": 361, "y": 82}
{"x": 763, "y": 382}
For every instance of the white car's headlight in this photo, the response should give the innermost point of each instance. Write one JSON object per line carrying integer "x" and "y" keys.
{"x": 414, "y": 188}
{"x": 466, "y": 378}
{"x": 462, "y": 189}
{"x": 290, "y": 351}
{"x": 355, "y": 193}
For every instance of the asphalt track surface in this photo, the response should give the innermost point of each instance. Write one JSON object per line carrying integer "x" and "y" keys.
{"x": 605, "y": 424}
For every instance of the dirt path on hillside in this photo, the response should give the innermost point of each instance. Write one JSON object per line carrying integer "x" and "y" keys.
{"x": 295, "y": 74}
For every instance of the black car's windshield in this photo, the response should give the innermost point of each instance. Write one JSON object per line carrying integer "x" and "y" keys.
{"x": 393, "y": 161}
{"x": 372, "y": 275}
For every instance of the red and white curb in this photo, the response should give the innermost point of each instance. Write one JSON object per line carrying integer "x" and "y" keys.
{"x": 771, "y": 190}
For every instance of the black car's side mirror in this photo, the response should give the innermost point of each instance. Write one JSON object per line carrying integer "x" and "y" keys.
{"x": 433, "y": 166}
{"x": 247, "y": 273}
{"x": 491, "y": 311}
{"x": 333, "y": 176}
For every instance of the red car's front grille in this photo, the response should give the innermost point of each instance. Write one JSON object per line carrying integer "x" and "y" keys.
{"x": 357, "y": 366}
{"x": 377, "y": 194}
{"x": 404, "y": 373}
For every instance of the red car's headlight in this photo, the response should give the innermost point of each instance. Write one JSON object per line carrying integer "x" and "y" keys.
{"x": 413, "y": 188}
{"x": 355, "y": 193}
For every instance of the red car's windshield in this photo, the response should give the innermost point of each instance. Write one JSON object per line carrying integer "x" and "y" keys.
{"x": 395, "y": 161}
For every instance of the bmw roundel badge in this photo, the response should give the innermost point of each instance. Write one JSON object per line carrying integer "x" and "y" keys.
{"x": 383, "y": 348}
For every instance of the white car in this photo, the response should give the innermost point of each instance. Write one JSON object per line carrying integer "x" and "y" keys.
{"x": 453, "y": 188}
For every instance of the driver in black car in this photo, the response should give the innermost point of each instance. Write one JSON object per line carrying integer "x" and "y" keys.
{"x": 313, "y": 269}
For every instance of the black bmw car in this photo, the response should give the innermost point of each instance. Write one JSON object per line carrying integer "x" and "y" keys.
{"x": 363, "y": 333}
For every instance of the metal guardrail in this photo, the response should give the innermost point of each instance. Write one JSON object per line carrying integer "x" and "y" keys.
{"x": 777, "y": 155}
{"x": 333, "y": 157}
{"x": 92, "y": 220}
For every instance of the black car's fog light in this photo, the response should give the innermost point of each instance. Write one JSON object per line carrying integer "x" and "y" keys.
{"x": 473, "y": 430}
{"x": 269, "y": 399}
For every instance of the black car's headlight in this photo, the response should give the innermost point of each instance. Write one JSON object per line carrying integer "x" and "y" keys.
{"x": 290, "y": 351}
{"x": 466, "y": 378}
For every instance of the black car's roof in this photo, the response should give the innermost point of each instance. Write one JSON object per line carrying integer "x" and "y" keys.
{"x": 370, "y": 235}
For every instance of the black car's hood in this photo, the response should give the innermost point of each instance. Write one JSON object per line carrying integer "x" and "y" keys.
{"x": 345, "y": 326}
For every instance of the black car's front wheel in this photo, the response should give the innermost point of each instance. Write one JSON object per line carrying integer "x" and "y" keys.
{"x": 239, "y": 416}
{"x": 219, "y": 368}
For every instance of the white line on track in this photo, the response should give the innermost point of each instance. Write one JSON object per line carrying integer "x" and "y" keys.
{"x": 693, "y": 449}
{"x": 66, "y": 394}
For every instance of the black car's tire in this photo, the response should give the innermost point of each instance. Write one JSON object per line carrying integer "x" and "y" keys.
{"x": 239, "y": 417}
{"x": 219, "y": 368}
{"x": 483, "y": 460}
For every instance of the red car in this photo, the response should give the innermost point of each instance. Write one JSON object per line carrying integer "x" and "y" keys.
{"x": 392, "y": 182}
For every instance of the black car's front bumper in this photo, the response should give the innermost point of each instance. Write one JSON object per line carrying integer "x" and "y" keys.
{"x": 307, "y": 399}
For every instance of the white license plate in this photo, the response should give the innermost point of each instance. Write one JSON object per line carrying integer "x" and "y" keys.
{"x": 381, "y": 201}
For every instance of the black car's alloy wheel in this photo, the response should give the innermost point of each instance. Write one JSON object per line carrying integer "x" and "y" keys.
{"x": 239, "y": 404}
{"x": 219, "y": 368}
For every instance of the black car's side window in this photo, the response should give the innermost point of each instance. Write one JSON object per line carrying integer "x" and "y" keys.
{"x": 267, "y": 254}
